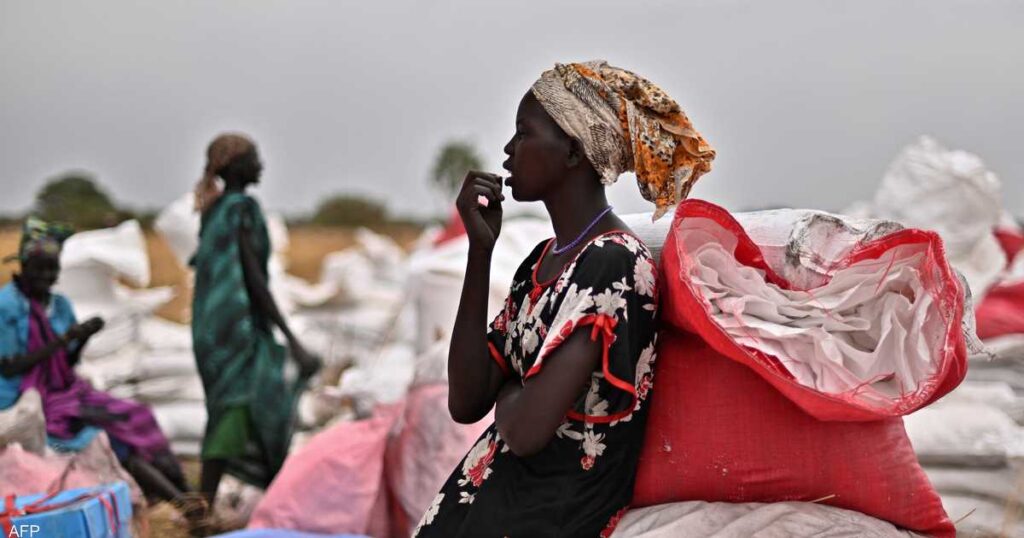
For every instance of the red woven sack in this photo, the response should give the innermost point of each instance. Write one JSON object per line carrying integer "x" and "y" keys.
{"x": 1001, "y": 310}
{"x": 731, "y": 423}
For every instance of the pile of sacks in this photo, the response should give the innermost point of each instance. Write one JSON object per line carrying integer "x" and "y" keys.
{"x": 971, "y": 442}
{"x": 802, "y": 319}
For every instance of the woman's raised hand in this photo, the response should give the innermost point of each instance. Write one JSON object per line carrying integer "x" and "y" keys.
{"x": 86, "y": 329}
{"x": 483, "y": 222}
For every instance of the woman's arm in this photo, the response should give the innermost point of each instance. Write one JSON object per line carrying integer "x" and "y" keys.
{"x": 256, "y": 284}
{"x": 529, "y": 414}
{"x": 21, "y": 364}
{"x": 81, "y": 332}
{"x": 259, "y": 292}
{"x": 473, "y": 376}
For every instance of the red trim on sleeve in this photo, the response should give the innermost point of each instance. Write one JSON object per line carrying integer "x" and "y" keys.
{"x": 603, "y": 327}
{"x": 498, "y": 358}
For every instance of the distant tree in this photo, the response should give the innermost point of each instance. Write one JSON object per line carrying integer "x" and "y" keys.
{"x": 350, "y": 210}
{"x": 75, "y": 198}
{"x": 455, "y": 158}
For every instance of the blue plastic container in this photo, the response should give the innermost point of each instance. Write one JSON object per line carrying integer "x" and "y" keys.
{"x": 96, "y": 512}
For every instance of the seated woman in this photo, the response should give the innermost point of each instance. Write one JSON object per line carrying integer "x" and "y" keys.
{"x": 40, "y": 343}
{"x": 567, "y": 363}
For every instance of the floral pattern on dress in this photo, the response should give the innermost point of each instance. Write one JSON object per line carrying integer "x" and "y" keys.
{"x": 609, "y": 291}
{"x": 430, "y": 514}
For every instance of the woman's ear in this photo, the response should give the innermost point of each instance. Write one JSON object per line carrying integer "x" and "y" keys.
{"x": 576, "y": 155}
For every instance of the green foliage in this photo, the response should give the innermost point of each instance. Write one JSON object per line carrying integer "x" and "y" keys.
{"x": 350, "y": 210}
{"x": 76, "y": 199}
{"x": 453, "y": 161}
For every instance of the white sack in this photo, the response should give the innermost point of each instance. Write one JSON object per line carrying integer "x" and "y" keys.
{"x": 964, "y": 435}
{"x": 727, "y": 520}
{"x": 121, "y": 249}
{"x": 91, "y": 264}
{"x": 871, "y": 325}
{"x": 951, "y": 192}
{"x": 181, "y": 421}
{"x": 24, "y": 423}
{"x": 435, "y": 280}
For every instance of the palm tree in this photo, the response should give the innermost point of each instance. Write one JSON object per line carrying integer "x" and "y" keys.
{"x": 455, "y": 158}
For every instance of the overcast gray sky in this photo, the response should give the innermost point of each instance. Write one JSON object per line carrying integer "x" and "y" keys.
{"x": 806, "y": 101}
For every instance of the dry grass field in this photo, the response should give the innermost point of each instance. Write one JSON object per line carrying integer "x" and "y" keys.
{"x": 307, "y": 248}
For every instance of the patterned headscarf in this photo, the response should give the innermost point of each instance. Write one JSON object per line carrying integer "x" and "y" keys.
{"x": 39, "y": 237}
{"x": 627, "y": 124}
{"x": 224, "y": 149}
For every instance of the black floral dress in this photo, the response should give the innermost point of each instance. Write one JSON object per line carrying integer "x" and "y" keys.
{"x": 582, "y": 481}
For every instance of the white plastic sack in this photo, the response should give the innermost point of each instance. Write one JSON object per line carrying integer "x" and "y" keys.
{"x": 870, "y": 324}
{"x": 964, "y": 435}
{"x": 162, "y": 335}
{"x": 952, "y": 192}
{"x": 178, "y": 224}
{"x": 121, "y": 249}
{"x": 383, "y": 252}
{"x": 727, "y": 520}
{"x": 183, "y": 423}
{"x": 435, "y": 282}
{"x": 979, "y": 498}
{"x": 91, "y": 265}
{"x": 351, "y": 272}
{"x": 949, "y": 191}
{"x": 995, "y": 394}
{"x": 24, "y": 423}
{"x": 381, "y": 378}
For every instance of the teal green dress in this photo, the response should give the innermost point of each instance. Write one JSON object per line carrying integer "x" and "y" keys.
{"x": 249, "y": 402}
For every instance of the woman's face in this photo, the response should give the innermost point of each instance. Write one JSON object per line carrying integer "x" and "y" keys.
{"x": 537, "y": 154}
{"x": 252, "y": 165}
{"x": 39, "y": 273}
{"x": 245, "y": 168}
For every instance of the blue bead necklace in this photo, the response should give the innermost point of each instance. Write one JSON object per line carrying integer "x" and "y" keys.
{"x": 562, "y": 250}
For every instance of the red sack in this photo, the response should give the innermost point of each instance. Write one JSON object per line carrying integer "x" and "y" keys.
{"x": 1012, "y": 242}
{"x": 732, "y": 423}
{"x": 1001, "y": 310}
{"x": 919, "y": 253}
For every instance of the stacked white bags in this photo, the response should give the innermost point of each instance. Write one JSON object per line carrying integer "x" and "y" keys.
{"x": 951, "y": 192}
{"x": 970, "y": 443}
{"x": 137, "y": 355}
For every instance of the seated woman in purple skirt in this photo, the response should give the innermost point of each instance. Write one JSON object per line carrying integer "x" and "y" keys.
{"x": 41, "y": 341}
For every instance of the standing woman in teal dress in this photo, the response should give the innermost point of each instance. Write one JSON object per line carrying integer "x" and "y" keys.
{"x": 249, "y": 402}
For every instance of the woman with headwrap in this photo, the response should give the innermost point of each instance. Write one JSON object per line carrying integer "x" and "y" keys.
{"x": 249, "y": 403}
{"x": 40, "y": 343}
{"x": 567, "y": 363}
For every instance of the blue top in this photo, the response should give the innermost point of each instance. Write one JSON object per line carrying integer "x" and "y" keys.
{"x": 14, "y": 318}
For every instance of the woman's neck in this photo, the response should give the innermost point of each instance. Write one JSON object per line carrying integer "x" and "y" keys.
{"x": 570, "y": 215}
{"x": 234, "y": 187}
{"x": 22, "y": 288}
